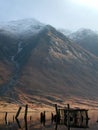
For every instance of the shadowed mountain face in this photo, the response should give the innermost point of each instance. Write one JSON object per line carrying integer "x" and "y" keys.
{"x": 49, "y": 68}
{"x": 86, "y": 38}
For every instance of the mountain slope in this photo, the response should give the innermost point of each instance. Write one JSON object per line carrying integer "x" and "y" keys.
{"x": 86, "y": 38}
{"x": 22, "y": 27}
{"x": 58, "y": 68}
{"x": 49, "y": 68}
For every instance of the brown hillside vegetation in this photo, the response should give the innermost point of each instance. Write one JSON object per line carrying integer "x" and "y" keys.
{"x": 48, "y": 68}
{"x": 58, "y": 69}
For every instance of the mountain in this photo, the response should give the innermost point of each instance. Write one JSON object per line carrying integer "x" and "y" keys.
{"x": 22, "y": 27}
{"x": 14, "y": 34}
{"x": 48, "y": 68}
{"x": 86, "y": 38}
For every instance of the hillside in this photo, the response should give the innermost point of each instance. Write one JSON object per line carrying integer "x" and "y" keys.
{"x": 49, "y": 68}
{"x": 61, "y": 68}
{"x": 86, "y": 38}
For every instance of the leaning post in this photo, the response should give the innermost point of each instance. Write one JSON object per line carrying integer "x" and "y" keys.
{"x": 26, "y": 110}
{"x": 18, "y": 112}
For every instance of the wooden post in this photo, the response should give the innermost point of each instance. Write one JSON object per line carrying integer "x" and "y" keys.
{"x": 26, "y": 126}
{"x": 52, "y": 117}
{"x": 18, "y": 123}
{"x": 56, "y": 109}
{"x": 41, "y": 117}
{"x": 68, "y": 117}
{"x": 68, "y": 106}
{"x": 25, "y": 116}
{"x": 6, "y": 117}
{"x": 26, "y": 110}
{"x": 30, "y": 118}
{"x": 18, "y": 112}
{"x": 44, "y": 118}
{"x": 86, "y": 112}
{"x": 13, "y": 118}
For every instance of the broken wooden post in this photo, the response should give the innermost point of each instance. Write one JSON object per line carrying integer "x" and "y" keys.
{"x": 44, "y": 118}
{"x": 68, "y": 117}
{"x": 26, "y": 110}
{"x": 56, "y": 109}
{"x": 57, "y": 116}
{"x": 86, "y": 113}
{"x": 18, "y": 123}
{"x": 6, "y": 117}
{"x": 68, "y": 106}
{"x": 41, "y": 117}
{"x": 30, "y": 118}
{"x": 26, "y": 126}
{"x": 52, "y": 117}
{"x": 18, "y": 112}
{"x": 13, "y": 118}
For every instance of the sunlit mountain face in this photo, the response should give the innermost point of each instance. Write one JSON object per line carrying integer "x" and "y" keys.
{"x": 43, "y": 66}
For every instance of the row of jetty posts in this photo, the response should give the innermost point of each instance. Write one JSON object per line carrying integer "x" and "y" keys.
{"x": 17, "y": 115}
{"x": 70, "y": 117}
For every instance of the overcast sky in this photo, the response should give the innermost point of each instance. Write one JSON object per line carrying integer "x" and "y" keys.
{"x": 68, "y": 14}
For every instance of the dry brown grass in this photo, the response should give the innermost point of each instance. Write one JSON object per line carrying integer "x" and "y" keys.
{"x": 34, "y": 124}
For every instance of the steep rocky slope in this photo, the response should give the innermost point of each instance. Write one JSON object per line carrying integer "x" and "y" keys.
{"x": 58, "y": 68}
{"x": 49, "y": 68}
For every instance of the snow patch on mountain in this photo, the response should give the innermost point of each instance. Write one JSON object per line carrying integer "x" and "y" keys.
{"x": 24, "y": 26}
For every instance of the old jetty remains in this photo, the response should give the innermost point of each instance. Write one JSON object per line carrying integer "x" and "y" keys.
{"x": 71, "y": 117}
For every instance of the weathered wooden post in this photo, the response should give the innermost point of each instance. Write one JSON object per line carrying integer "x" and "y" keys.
{"x": 18, "y": 123}
{"x": 25, "y": 116}
{"x": 13, "y": 118}
{"x": 68, "y": 118}
{"x": 26, "y": 110}
{"x": 44, "y": 118}
{"x": 41, "y": 117}
{"x": 18, "y": 112}
{"x": 68, "y": 106}
{"x": 57, "y": 116}
{"x": 6, "y": 117}
{"x": 52, "y": 117}
{"x": 86, "y": 113}
{"x": 30, "y": 118}
{"x": 26, "y": 126}
{"x": 56, "y": 109}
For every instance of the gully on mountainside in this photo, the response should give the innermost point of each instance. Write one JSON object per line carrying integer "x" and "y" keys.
{"x": 6, "y": 88}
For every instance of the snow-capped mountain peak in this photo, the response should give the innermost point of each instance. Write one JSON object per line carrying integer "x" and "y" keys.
{"x": 23, "y": 26}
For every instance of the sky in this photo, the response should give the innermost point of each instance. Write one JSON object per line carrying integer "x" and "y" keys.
{"x": 67, "y": 14}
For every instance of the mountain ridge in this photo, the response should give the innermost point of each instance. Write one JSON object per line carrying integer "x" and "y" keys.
{"x": 50, "y": 68}
{"x": 86, "y": 38}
